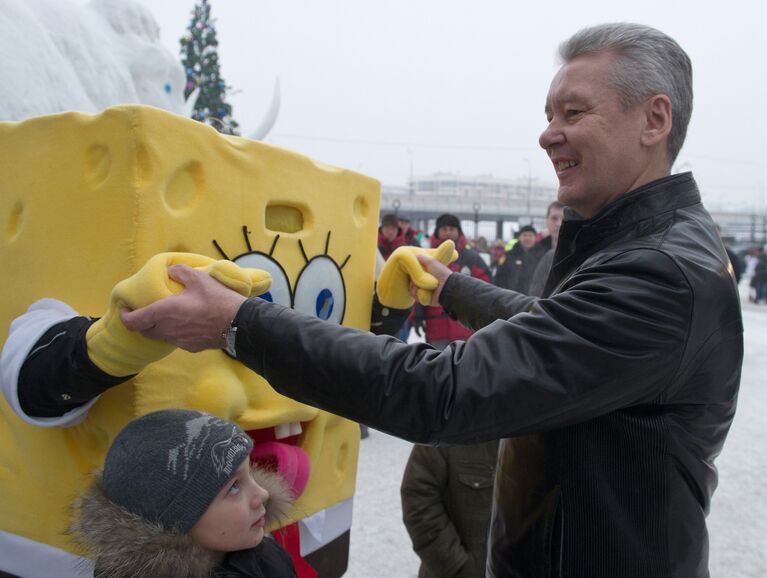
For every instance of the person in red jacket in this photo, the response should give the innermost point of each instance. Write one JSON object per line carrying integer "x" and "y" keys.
{"x": 390, "y": 235}
{"x": 440, "y": 328}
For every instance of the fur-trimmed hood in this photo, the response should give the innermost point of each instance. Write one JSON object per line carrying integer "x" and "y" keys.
{"x": 124, "y": 544}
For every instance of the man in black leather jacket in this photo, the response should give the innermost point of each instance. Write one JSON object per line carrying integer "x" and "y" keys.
{"x": 615, "y": 390}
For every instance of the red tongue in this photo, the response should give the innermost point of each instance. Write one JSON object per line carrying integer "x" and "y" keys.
{"x": 290, "y": 461}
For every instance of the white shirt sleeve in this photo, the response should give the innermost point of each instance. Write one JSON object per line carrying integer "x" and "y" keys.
{"x": 26, "y": 330}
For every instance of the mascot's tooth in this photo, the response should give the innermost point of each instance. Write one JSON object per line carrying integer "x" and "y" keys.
{"x": 285, "y": 430}
{"x": 282, "y": 431}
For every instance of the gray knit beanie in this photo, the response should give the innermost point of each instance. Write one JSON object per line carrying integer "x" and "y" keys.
{"x": 169, "y": 465}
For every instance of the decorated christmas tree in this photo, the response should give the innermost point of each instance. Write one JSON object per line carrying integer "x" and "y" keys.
{"x": 199, "y": 49}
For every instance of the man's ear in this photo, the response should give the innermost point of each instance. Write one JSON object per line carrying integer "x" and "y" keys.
{"x": 657, "y": 120}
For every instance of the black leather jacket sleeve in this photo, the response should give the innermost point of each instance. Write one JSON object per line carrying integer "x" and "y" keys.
{"x": 462, "y": 295}
{"x": 612, "y": 336}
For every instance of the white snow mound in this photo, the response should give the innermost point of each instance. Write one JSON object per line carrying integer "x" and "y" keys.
{"x": 59, "y": 56}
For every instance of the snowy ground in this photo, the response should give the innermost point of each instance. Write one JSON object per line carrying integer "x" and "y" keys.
{"x": 380, "y": 545}
{"x": 738, "y": 519}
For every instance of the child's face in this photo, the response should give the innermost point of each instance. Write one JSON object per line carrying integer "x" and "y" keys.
{"x": 235, "y": 519}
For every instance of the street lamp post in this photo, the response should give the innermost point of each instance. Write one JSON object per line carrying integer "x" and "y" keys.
{"x": 477, "y": 207}
{"x": 411, "y": 184}
{"x": 529, "y": 188}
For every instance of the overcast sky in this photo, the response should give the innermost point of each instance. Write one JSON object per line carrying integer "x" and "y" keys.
{"x": 459, "y": 86}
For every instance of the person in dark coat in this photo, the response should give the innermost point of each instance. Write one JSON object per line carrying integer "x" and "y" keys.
{"x": 447, "y": 495}
{"x": 759, "y": 278}
{"x": 516, "y": 269}
{"x": 555, "y": 214}
{"x": 613, "y": 392}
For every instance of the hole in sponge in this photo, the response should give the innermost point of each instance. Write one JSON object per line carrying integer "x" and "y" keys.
{"x": 284, "y": 218}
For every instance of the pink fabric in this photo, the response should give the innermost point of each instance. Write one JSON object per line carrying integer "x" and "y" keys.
{"x": 290, "y": 461}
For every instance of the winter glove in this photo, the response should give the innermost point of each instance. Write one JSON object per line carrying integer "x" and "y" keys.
{"x": 386, "y": 320}
{"x": 120, "y": 352}
{"x": 403, "y": 267}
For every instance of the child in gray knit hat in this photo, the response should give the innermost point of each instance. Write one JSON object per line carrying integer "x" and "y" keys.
{"x": 177, "y": 497}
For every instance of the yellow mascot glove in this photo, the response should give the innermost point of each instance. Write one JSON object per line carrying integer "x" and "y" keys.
{"x": 120, "y": 352}
{"x": 403, "y": 267}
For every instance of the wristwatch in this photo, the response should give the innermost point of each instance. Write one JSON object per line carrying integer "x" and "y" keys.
{"x": 229, "y": 337}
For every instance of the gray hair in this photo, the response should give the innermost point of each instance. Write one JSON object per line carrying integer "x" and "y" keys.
{"x": 649, "y": 63}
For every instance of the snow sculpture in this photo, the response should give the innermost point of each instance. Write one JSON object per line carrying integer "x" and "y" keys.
{"x": 61, "y": 56}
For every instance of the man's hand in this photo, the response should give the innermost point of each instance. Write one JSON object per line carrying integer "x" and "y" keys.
{"x": 118, "y": 351}
{"x": 194, "y": 319}
{"x": 440, "y": 273}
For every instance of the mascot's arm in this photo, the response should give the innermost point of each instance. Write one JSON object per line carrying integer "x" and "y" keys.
{"x": 392, "y": 301}
{"x": 55, "y": 364}
{"x": 387, "y": 320}
{"x": 58, "y": 376}
{"x": 47, "y": 377}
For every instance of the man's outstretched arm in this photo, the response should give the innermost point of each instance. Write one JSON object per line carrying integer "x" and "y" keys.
{"x": 197, "y": 318}
{"x": 582, "y": 353}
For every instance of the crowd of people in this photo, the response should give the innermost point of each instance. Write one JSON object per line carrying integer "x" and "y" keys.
{"x": 523, "y": 262}
{"x": 520, "y": 264}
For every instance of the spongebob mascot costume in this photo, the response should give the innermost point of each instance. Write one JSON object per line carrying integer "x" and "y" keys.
{"x": 88, "y": 201}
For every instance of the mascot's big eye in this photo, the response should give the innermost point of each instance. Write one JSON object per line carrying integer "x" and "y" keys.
{"x": 280, "y": 290}
{"x": 320, "y": 290}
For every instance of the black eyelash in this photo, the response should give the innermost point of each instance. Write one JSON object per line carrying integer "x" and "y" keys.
{"x": 303, "y": 252}
{"x": 247, "y": 238}
{"x": 220, "y": 250}
{"x": 274, "y": 245}
{"x": 246, "y": 235}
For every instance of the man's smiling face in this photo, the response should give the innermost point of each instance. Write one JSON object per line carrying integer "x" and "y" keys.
{"x": 592, "y": 140}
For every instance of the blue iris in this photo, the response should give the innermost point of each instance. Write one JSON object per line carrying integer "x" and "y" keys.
{"x": 267, "y": 297}
{"x": 325, "y": 304}
{"x": 168, "y": 87}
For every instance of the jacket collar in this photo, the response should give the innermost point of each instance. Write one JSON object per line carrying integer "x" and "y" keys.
{"x": 579, "y": 237}
{"x": 660, "y": 196}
